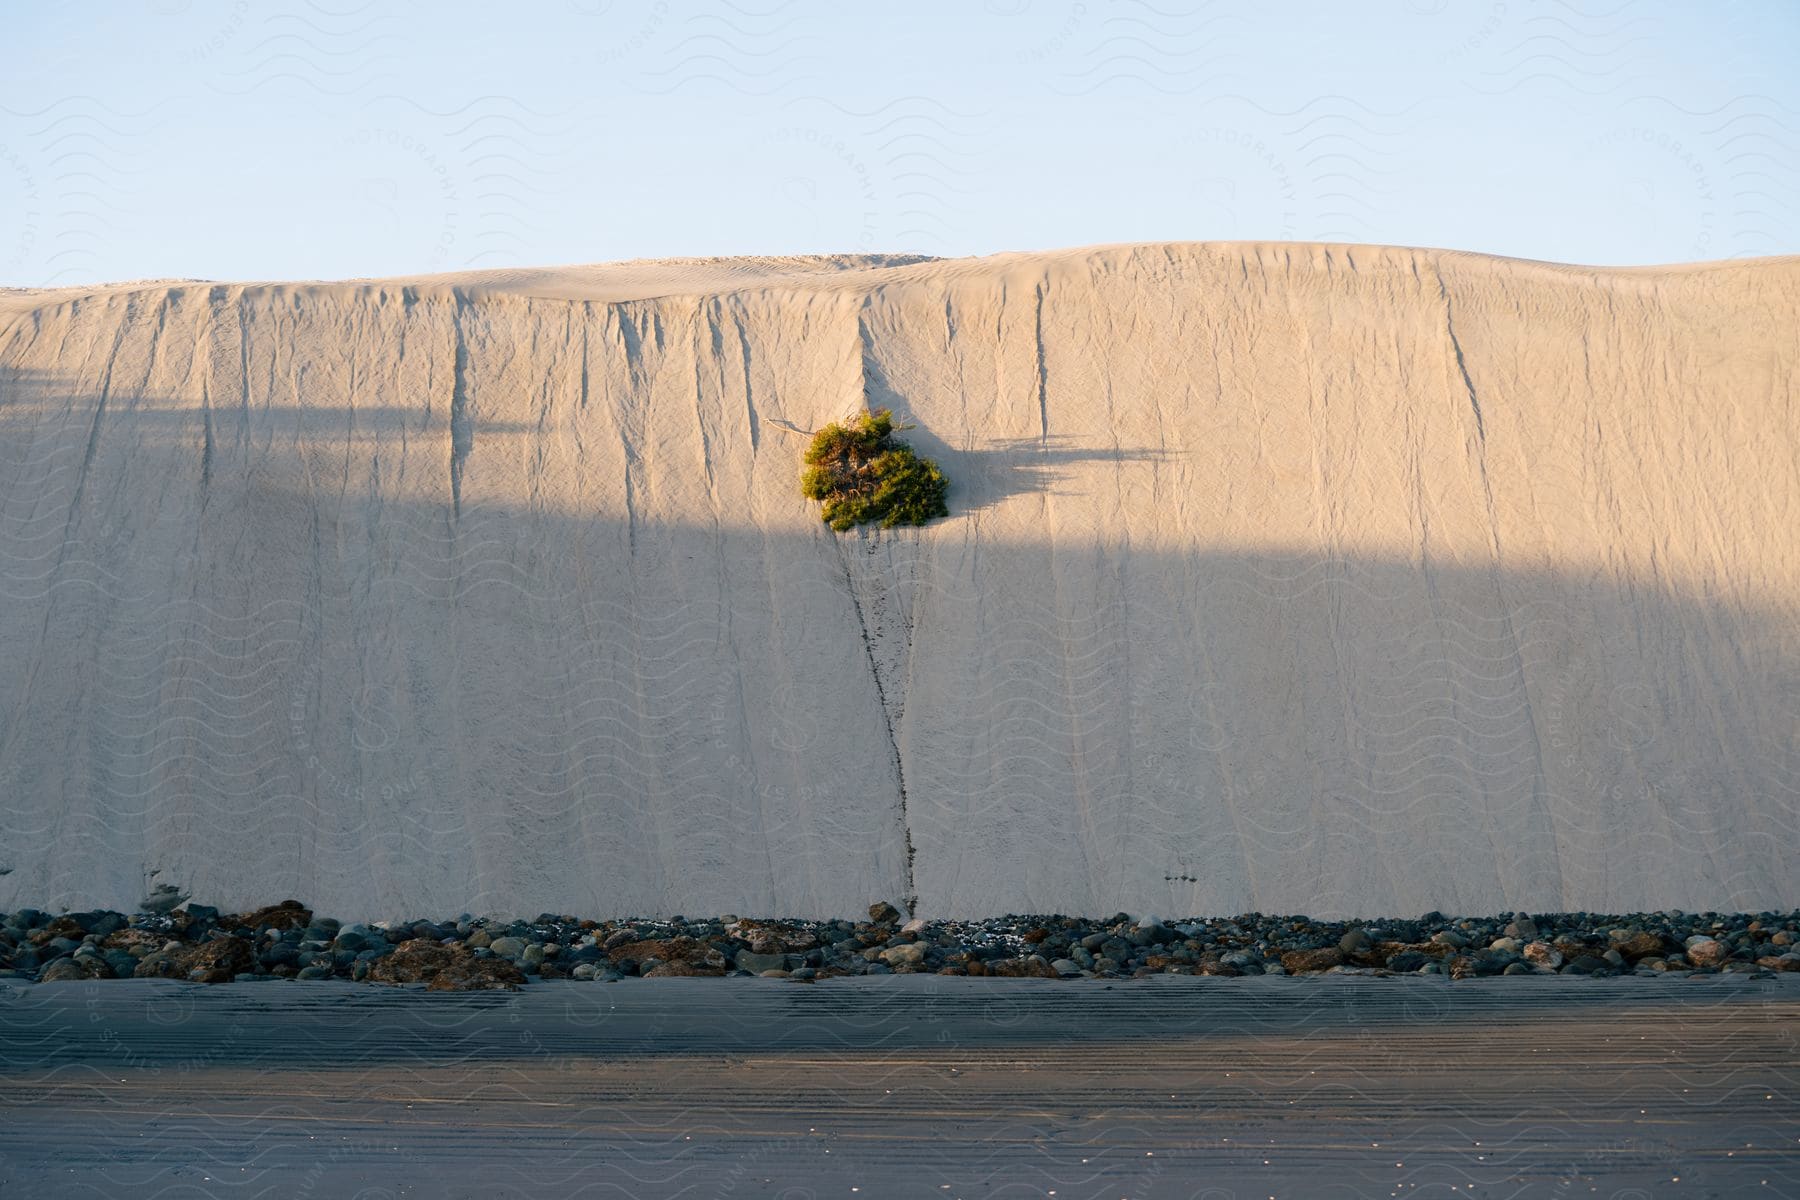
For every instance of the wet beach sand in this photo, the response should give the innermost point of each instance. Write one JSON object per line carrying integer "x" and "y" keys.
{"x": 906, "y": 1086}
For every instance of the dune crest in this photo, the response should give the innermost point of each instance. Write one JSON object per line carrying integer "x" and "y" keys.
{"x": 1344, "y": 580}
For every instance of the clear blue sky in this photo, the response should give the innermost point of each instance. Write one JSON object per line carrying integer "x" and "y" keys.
{"x": 242, "y": 139}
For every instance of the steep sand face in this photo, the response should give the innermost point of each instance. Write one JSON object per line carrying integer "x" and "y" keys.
{"x": 1280, "y": 577}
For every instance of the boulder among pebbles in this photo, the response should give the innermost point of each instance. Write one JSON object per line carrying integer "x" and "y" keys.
{"x": 467, "y": 973}
{"x": 1543, "y": 954}
{"x": 687, "y": 955}
{"x": 415, "y": 961}
{"x": 289, "y": 914}
{"x": 219, "y": 960}
{"x": 358, "y": 937}
{"x": 1298, "y": 962}
{"x": 776, "y": 937}
{"x": 1634, "y": 944}
{"x": 908, "y": 954}
{"x": 80, "y": 966}
{"x": 1031, "y": 966}
{"x": 1707, "y": 952}
{"x": 444, "y": 968}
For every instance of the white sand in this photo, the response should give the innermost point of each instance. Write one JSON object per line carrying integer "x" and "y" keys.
{"x": 1280, "y": 577}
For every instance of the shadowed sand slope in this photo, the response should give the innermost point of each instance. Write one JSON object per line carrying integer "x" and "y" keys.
{"x": 1345, "y": 580}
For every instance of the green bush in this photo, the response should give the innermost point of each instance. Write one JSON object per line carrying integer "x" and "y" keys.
{"x": 862, "y": 473}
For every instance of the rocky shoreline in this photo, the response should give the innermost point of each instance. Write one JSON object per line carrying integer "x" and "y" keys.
{"x": 289, "y": 941}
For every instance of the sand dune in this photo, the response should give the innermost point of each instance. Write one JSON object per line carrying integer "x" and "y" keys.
{"x": 1346, "y": 580}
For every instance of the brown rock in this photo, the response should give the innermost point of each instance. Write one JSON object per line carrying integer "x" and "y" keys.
{"x": 1708, "y": 953}
{"x": 1780, "y": 962}
{"x": 1639, "y": 943}
{"x": 64, "y": 927}
{"x": 415, "y": 961}
{"x": 1572, "y": 948}
{"x": 1035, "y": 936}
{"x": 470, "y": 974}
{"x": 706, "y": 958}
{"x": 883, "y": 913}
{"x": 1296, "y": 962}
{"x": 444, "y": 968}
{"x": 1215, "y": 967}
{"x": 1032, "y": 967}
{"x": 134, "y": 940}
{"x": 1542, "y": 954}
{"x": 774, "y": 937}
{"x": 216, "y": 960}
{"x": 676, "y": 969}
{"x": 1384, "y": 952}
{"x": 289, "y": 914}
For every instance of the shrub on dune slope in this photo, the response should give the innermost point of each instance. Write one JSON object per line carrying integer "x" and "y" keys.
{"x": 862, "y": 473}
